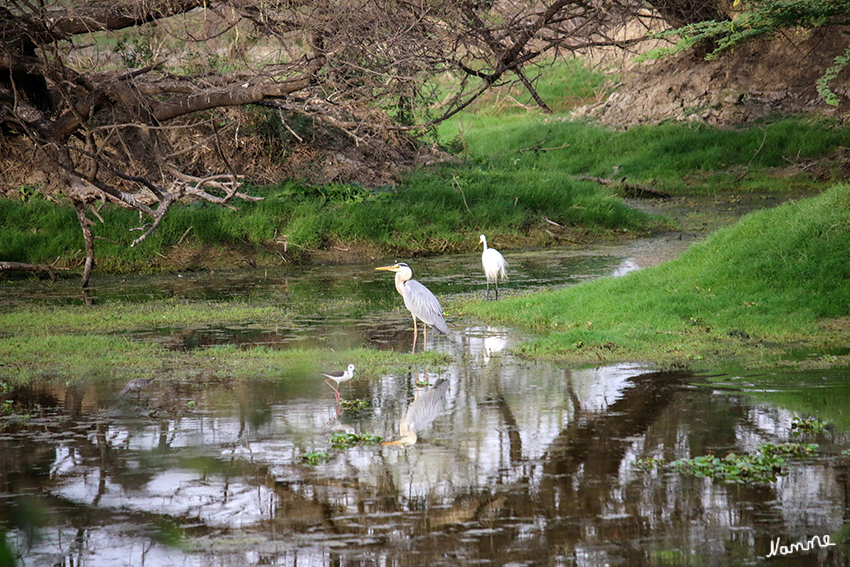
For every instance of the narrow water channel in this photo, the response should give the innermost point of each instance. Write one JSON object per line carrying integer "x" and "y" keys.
{"x": 515, "y": 462}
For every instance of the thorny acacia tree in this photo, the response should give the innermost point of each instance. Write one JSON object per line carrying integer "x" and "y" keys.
{"x": 104, "y": 93}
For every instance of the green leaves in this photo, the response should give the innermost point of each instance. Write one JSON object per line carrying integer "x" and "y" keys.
{"x": 807, "y": 426}
{"x": 343, "y": 440}
{"x": 340, "y": 440}
{"x": 314, "y": 458}
{"x": 766, "y": 464}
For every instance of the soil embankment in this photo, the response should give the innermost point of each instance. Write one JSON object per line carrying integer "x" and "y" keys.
{"x": 759, "y": 79}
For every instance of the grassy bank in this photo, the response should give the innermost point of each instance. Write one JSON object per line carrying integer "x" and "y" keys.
{"x": 776, "y": 282}
{"x": 68, "y": 357}
{"x": 441, "y": 211}
{"x": 783, "y": 155}
{"x": 520, "y": 172}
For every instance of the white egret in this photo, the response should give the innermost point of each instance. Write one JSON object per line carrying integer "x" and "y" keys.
{"x": 494, "y": 264}
{"x": 419, "y": 300}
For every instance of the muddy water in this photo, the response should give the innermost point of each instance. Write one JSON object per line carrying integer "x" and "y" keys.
{"x": 515, "y": 462}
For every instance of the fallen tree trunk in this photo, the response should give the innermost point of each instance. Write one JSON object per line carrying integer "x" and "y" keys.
{"x": 21, "y": 267}
{"x": 630, "y": 189}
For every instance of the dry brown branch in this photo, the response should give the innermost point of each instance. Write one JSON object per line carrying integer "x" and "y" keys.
{"x": 147, "y": 118}
{"x": 630, "y": 189}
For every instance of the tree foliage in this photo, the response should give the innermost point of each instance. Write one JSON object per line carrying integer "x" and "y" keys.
{"x": 760, "y": 18}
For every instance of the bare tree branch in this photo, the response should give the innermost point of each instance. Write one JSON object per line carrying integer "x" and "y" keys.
{"x": 118, "y": 100}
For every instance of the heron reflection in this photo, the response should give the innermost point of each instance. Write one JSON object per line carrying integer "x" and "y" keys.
{"x": 424, "y": 409}
{"x": 136, "y": 386}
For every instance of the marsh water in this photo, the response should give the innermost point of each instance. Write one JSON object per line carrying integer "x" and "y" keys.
{"x": 516, "y": 462}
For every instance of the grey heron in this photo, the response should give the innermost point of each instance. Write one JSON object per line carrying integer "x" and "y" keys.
{"x": 339, "y": 376}
{"x": 419, "y": 300}
{"x": 494, "y": 265}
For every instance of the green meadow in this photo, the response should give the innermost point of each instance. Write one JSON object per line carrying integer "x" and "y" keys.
{"x": 516, "y": 170}
{"x": 774, "y": 284}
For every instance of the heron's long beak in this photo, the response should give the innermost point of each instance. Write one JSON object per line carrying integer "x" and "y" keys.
{"x": 388, "y": 268}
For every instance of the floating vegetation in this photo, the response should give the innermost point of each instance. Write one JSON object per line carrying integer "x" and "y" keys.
{"x": 766, "y": 464}
{"x": 314, "y": 458}
{"x": 807, "y": 426}
{"x": 354, "y": 405}
{"x": 648, "y": 463}
{"x": 343, "y": 440}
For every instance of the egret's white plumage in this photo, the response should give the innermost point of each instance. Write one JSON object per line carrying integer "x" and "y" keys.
{"x": 494, "y": 264}
{"x": 339, "y": 376}
{"x": 419, "y": 300}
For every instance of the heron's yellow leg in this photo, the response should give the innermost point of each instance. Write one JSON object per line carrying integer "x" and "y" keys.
{"x": 415, "y": 334}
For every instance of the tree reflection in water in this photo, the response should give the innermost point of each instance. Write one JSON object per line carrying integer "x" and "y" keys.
{"x": 525, "y": 463}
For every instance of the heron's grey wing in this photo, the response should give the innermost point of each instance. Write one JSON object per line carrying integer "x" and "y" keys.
{"x": 427, "y": 406}
{"x": 424, "y": 305}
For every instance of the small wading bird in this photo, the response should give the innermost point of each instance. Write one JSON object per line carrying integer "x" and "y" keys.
{"x": 422, "y": 411}
{"x": 419, "y": 300}
{"x": 136, "y": 386}
{"x": 339, "y": 377}
{"x": 494, "y": 265}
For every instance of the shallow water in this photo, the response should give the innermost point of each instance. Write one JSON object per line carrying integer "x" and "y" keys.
{"x": 519, "y": 463}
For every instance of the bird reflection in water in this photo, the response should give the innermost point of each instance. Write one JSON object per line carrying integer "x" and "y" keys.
{"x": 135, "y": 386}
{"x": 424, "y": 409}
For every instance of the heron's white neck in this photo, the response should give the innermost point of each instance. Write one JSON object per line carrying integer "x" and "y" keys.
{"x": 408, "y": 436}
{"x": 400, "y": 278}
{"x": 484, "y": 241}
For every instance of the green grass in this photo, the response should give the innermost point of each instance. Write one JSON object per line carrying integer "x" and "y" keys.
{"x": 677, "y": 158}
{"x": 772, "y": 278}
{"x": 502, "y": 189}
{"x": 433, "y": 212}
{"x": 562, "y": 83}
{"x": 521, "y": 168}
{"x": 121, "y": 317}
{"x": 66, "y": 357}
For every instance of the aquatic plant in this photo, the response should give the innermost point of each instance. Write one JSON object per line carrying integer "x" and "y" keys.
{"x": 765, "y": 464}
{"x": 344, "y": 440}
{"x": 354, "y": 405}
{"x": 807, "y": 426}
{"x": 314, "y": 458}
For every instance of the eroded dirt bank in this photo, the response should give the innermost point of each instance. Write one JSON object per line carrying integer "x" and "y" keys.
{"x": 756, "y": 80}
